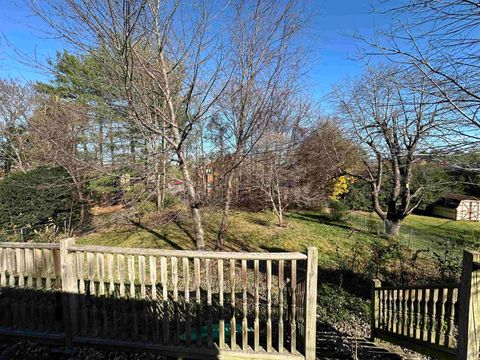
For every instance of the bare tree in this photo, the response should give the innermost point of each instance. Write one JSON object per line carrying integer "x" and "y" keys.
{"x": 167, "y": 56}
{"x": 16, "y": 105}
{"x": 438, "y": 39}
{"x": 279, "y": 175}
{"x": 395, "y": 126}
{"x": 265, "y": 72}
{"x": 56, "y": 130}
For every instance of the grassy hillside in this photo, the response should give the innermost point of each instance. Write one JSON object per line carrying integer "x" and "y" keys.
{"x": 353, "y": 239}
{"x": 426, "y": 232}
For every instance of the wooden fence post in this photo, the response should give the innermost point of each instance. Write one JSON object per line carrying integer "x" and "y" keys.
{"x": 311, "y": 303}
{"x": 69, "y": 290}
{"x": 469, "y": 317}
{"x": 374, "y": 308}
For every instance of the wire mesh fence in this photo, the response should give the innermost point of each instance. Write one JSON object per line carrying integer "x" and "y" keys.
{"x": 426, "y": 236}
{"x": 26, "y": 233}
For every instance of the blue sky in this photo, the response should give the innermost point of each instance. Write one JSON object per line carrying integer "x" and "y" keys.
{"x": 331, "y": 49}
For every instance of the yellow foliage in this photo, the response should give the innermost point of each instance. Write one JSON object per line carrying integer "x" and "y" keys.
{"x": 340, "y": 187}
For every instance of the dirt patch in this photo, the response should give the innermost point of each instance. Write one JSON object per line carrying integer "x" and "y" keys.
{"x": 104, "y": 210}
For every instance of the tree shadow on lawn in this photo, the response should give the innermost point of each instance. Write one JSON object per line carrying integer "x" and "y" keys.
{"x": 158, "y": 235}
{"x": 321, "y": 219}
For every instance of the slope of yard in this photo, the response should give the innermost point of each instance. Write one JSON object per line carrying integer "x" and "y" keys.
{"x": 336, "y": 241}
{"x": 425, "y": 232}
{"x": 247, "y": 232}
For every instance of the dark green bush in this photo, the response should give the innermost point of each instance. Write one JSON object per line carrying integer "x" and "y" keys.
{"x": 103, "y": 189}
{"x": 338, "y": 210}
{"x": 38, "y": 196}
{"x": 337, "y": 307}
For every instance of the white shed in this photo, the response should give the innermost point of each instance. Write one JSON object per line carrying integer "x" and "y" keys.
{"x": 457, "y": 207}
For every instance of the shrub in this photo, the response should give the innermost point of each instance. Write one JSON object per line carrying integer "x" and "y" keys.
{"x": 43, "y": 195}
{"x": 104, "y": 189}
{"x": 342, "y": 310}
{"x": 338, "y": 210}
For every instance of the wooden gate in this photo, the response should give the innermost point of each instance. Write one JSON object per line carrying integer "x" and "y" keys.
{"x": 181, "y": 303}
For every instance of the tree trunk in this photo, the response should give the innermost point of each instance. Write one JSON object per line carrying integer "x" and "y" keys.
{"x": 222, "y": 231}
{"x": 193, "y": 201}
{"x": 100, "y": 142}
{"x": 83, "y": 202}
{"x": 112, "y": 146}
{"x": 158, "y": 188}
{"x": 392, "y": 227}
{"x": 280, "y": 218}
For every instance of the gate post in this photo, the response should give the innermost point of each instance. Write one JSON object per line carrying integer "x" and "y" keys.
{"x": 311, "y": 303}
{"x": 374, "y": 308}
{"x": 468, "y": 346}
{"x": 69, "y": 290}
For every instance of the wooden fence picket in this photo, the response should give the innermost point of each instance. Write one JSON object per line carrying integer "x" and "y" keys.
{"x": 111, "y": 296}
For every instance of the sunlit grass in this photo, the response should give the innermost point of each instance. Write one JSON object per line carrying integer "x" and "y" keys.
{"x": 257, "y": 231}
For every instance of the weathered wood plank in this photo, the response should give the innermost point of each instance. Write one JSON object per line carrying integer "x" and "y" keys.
{"x": 132, "y": 296}
{"x": 111, "y": 274}
{"x": 153, "y": 284}
{"x": 311, "y": 303}
{"x": 281, "y": 288}
{"x": 91, "y": 268}
{"x": 244, "y": 306}
{"x": 432, "y": 334}
{"x": 3, "y": 267}
{"x": 221, "y": 321}
{"x": 122, "y": 292}
{"x": 111, "y": 293}
{"x": 164, "y": 277}
{"x": 192, "y": 254}
{"x": 208, "y": 279}
{"x": 233, "y": 321}
{"x": 142, "y": 275}
{"x": 38, "y": 263}
{"x": 23, "y": 245}
{"x": 20, "y": 262}
{"x": 142, "y": 278}
{"x": 69, "y": 288}
{"x": 293, "y": 314}
{"x": 469, "y": 316}
{"x": 101, "y": 273}
{"x": 450, "y": 318}
{"x": 186, "y": 280}
{"x": 269, "y": 306}
{"x": 176, "y": 307}
{"x": 198, "y": 301}
{"x": 256, "y": 324}
{"x": 80, "y": 272}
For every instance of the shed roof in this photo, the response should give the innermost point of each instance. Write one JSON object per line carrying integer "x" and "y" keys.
{"x": 459, "y": 197}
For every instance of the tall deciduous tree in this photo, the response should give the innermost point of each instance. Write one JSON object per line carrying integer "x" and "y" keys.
{"x": 395, "y": 123}
{"x": 438, "y": 40}
{"x": 264, "y": 61}
{"x": 16, "y": 105}
{"x": 56, "y": 131}
{"x": 167, "y": 56}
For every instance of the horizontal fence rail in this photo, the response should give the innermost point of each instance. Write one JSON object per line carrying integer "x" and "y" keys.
{"x": 198, "y": 303}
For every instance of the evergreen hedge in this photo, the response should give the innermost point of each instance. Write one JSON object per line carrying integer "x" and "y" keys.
{"x": 38, "y": 196}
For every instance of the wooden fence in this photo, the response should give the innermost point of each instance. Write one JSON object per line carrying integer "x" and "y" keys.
{"x": 181, "y": 303}
{"x": 441, "y": 321}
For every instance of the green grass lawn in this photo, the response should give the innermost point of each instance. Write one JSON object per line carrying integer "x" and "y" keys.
{"x": 425, "y": 232}
{"x": 351, "y": 252}
{"x": 257, "y": 231}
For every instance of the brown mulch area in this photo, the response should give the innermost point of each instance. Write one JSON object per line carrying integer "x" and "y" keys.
{"x": 34, "y": 351}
